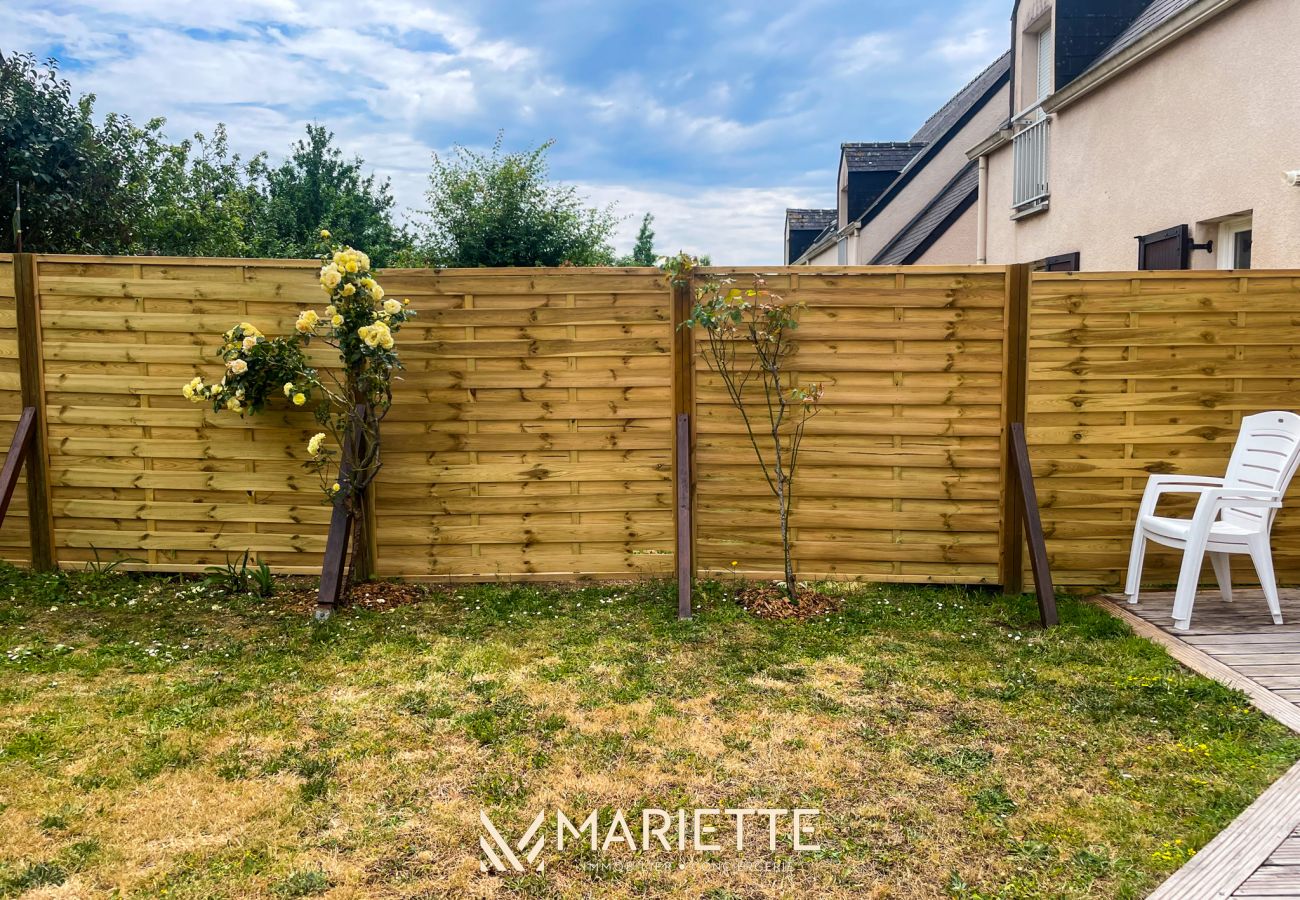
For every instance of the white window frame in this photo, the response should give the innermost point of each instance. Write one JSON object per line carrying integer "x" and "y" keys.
{"x": 1226, "y": 242}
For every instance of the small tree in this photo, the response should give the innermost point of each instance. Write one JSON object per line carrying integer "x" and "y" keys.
{"x": 502, "y": 209}
{"x": 643, "y": 251}
{"x": 750, "y": 344}
{"x": 358, "y": 322}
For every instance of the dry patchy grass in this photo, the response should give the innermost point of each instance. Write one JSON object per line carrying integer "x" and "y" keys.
{"x": 156, "y": 740}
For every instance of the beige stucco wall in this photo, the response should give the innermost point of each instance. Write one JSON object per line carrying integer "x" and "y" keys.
{"x": 956, "y": 246}
{"x": 930, "y": 180}
{"x": 1199, "y": 131}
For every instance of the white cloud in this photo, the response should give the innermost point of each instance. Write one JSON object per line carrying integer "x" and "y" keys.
{"x": 869, "y": 52}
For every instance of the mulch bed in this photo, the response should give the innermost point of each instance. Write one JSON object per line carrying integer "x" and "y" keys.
{"x": 370, "y": 595}
{"x": 767, "y": 601}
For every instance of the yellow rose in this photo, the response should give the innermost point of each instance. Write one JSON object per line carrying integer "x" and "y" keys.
{"x": 334, "y": 488}
{"x": 330, "y": 276}
{"x": 299, "y": 398}
{"x": 336, "y": 321}
{"x": 330, "y": 310}
{"x": 288, "y": 388}
{"x": 313, "y": 445}
{"x": 324, "y": 233}
{"x": 348, "y": 290}
{"x": 238, "y": 366}
{"x": 233, "y": 404}
{"x": 392, "y": 307}
{"x": 307, "y": 320}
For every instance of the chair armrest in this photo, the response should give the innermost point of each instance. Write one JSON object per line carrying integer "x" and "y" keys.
{"x": 1174, "y": 484}
{"x": 1250, "y": 497}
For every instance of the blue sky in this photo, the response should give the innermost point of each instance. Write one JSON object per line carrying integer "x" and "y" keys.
{"x": 715, "y": 116}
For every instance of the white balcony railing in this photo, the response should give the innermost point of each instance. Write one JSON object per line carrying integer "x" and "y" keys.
{"x": 1030, "y": 152}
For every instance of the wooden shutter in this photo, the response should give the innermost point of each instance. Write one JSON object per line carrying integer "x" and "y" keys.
{"x": 1168, "y": 249}
{"x": 1066, "y": 262}
{"x": 1044, "y": 62}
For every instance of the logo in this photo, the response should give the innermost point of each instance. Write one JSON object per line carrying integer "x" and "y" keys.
{"x": 501, "y": 856}
{"x": 679, "y": 831}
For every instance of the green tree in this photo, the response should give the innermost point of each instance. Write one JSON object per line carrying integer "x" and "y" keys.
{"x": 643, "y": 252}
{"x": 204, "y": 201}
{"x": 317, "y": 188}
{"x": 501, "y": 209}
{"x": 84, "y": 187}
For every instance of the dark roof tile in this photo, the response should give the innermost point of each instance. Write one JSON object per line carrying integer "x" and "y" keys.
{"x": 931, "y": 221}
{"x": 804, "y": 219}
{"x": 1151, "y": 18}
{"x": 880, "y": 156}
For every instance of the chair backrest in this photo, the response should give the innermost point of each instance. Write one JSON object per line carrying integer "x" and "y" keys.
{"x": 1265, "y": 458}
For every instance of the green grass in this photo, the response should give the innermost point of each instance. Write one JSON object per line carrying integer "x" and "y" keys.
{"x": 155, "y": 738}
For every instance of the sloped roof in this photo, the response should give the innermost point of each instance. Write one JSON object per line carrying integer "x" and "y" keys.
{"x": 932, "y": 221}
{"x": 880, "y": 156}
{"x": 806, "y": 219}
{"x": 1147, "y": 21}
{"x": 963, "y": 100}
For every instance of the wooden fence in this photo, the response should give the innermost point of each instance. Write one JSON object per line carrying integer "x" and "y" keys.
{"x": 532, "y": 435}
{"x": 901, "y": 473}
{"x": 1132, "y": 374}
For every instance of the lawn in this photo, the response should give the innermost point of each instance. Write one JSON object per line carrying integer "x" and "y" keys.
{"x": 157, "y": 739}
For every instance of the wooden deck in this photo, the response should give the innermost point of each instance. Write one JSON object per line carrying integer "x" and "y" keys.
{"x": 1258, "y": 855}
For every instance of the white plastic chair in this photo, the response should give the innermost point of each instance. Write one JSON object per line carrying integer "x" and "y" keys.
{"x": 1234, "y": 514}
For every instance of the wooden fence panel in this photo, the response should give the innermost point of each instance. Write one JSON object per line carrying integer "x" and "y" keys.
{"x": 531, "y": 434}
{"x": 14, "y": 539}
{"x": 137, "y": 470}
{"x": 1131, "y": 374}
{"x": 901, "y": 474}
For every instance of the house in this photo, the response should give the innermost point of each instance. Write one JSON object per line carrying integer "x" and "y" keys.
{"x": 1149, "y": 134}
{"x": 902, "y": 202}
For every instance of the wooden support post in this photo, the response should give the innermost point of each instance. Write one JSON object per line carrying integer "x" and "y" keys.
{"x": 18, "y": 450}
{"x": 1033, "y": 527}
{"x": 31, "y": 375}
{"x": 1011, "y": 558}
{"x": 683, "y": 359}
{"x": 334, "y": 569}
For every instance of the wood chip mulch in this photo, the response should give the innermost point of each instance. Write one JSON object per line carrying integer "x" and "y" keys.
{"x": 770, "y": 602}
{"x": 370, "y": 595}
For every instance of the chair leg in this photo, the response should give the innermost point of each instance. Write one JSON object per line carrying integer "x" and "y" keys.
{"x": 1135, "y": 558}
{"x": 1262, "y": 555}
{"x": 1188, "y": 576}
{"x": 1222, "y": 574}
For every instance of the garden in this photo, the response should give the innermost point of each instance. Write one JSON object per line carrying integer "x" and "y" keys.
{"x": 162, "y": 736}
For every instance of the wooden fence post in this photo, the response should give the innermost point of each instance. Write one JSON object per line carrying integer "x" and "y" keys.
{"x": 683, "y": 361}
{"x": 31, "y": 374}
{"x": 1011, "y": 558}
